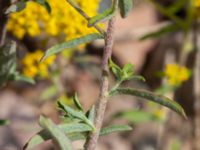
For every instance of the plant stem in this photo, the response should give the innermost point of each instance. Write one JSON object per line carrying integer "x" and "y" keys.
{"x": 78, "y": 9}
{"x": 3, "y": 18}
{"x": 91, "y": 142}
{"x": 196, "y": 121}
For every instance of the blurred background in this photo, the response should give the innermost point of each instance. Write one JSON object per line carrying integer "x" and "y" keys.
{"x": 159, "y": 37}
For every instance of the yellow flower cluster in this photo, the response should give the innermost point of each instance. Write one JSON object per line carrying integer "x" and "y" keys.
{"x": 32, "y": 66}
{"x": 176, "y": 74}
{"x": 197, "y": 3}
{"x": 63, "y": 19}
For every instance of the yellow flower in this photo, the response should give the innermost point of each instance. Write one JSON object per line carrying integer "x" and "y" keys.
{"x": 176, "y": 74}
{"x": 63, "y": 19}
{"x": 197, "y": 3}
{"x": 32, "y": 66}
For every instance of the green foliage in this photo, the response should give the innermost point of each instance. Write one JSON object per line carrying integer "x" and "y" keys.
{"x": 168, "y": 28}
{"x": 58, "y": 136}
{"x": 71, "y": 44}
{"x": 21, "y": 4}
{"x": 8, "y": 65}
{"x": 162, "y": 100}
{"x": 45, "y": 4}
{"x": 125, "y": 7}
{"x": 138, "y": 116}
{"x": 77, "y": 129}
{"x": 7, "y": 61}
{"x": 74, "y": 131}
{"x": 105, "y": 15}
{"x": 127, "y": 73}
{"x": 124, "y": 74}
{"x": 183, "y": 24}
{"x": 76, "y": 114}
{"x": 4, "y": 122}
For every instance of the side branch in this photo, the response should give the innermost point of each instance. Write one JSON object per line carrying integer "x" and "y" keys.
{"x": 78, "y": 9}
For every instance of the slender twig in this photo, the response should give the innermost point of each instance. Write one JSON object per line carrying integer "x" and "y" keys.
{"x": 3, "y": 18}
{"x": 102, "y": 102}
{"x": 78, "y": 9}
{"x": 196, "y": 80}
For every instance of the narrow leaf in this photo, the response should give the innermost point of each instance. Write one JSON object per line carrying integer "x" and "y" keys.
{"x": 19, "y": 77}
{"x": 104, "y": 16}
{"x": 117, "y": 71}
{"x": 125, "y": 7}
{"x": 76, "y": 114}
{"x": 71, "y": 44}
{"x": 45, "y": 4}
{"x": 91, "y": 114}
{"x": 7, "y": 61}
{"x": 61, "y": 139}
{"x": 72, "y": 130}
{"x": 138, "y": 116}
{"x": 162, "y": 100}
{"x": 114, "y": 128}
{"x": 169, "y": 28}
{"x": 19, "y": 6}
{"x": 77, "y": 102}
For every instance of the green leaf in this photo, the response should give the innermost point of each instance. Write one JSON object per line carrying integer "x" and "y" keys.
{"x": 45, "y": 4}
{"x": 61, "y": 139}
{"x": 104, "y": 16}
{"x": 125, "y": 7}
{"x": 7, "y": 61}
{"x": 3, "y": 122}
{"x": 77, "y": 102}
{"x": 73, "y": 132}
{"x": 115, "y": 69}
{"x": 75, "y": 114}
{"x": 114, "y": 128}
{"x": 91, "y": 114}
{"x": 176, "y": 6}
{"x": 71, "y": 44}
{"x": 49, "y": 92}
{"x": 138, "y": 116}
{"x": 168, "y": 28}
{"x": 162, "y": 100}
{"x": 127, "y": 72}
{"x": 19, "y": 77}
{"x": 19, "y": 6}
{"x": 68, "y": 129}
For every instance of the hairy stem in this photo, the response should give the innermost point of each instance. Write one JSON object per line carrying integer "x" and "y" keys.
{"x": 78, "y": 9}
{"x": 102, "y": 101}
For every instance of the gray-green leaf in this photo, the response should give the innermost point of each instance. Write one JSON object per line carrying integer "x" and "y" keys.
{"x": 74, "y": 131}
{"x": 69, "y": 129}
{"x": 162, "y": 100}
{"x": 71, "y": 44}
{"x": 19, "y": 6}
{"x": 125, "y": 7}
{"x": 61, "y": 139}
{"x": 75, "y": 114}
{"x": 7, "y": 61}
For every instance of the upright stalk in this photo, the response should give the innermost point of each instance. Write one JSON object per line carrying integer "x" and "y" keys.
{"x": 91, "y": 142}
{"x": 3, "y": 20}
{"x": 196, "y": 122}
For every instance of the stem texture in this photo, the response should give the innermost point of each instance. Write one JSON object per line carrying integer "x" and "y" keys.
{"x": 91, "y": 142}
